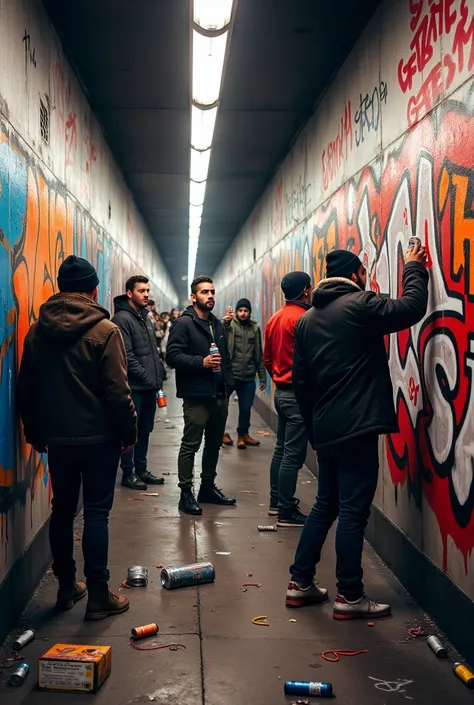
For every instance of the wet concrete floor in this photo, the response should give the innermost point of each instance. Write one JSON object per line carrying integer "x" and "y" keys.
{"x": 227, "y": 659}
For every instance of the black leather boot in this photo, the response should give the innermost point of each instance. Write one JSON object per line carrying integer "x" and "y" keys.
{"x": 149, "y": 478}
{"x": 188, "y": 504}
{"x": 210, "y": 494}
{"x": 133, "y": 482}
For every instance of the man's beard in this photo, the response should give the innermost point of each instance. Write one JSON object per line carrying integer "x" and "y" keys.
{"x": 204, "y": 307}
{"x": 360, "y": 283}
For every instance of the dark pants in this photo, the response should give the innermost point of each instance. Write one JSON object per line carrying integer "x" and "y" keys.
{"x": 202, "y": 417}
{"x": 290, "y": 451}
{"x": 246, "y": 395}
{"x": 347, "y": 480}
{"x": 97, "y": 466}
{"x": 145, "y": 406}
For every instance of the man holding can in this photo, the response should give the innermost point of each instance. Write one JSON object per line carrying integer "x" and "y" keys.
{"x": 197, "y": 350}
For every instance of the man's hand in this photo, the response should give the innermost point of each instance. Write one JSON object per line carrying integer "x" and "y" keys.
{"x": 229, "y": 314}
{"x": 263, "y": 386}
{"x": 40, "y": 447}
{"x": 417, "y": 253}
{"x": 212, "y": 362}
{"x": 126, "y": 449}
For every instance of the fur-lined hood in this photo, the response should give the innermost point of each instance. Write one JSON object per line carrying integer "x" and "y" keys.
{"x": 332, "y": 288}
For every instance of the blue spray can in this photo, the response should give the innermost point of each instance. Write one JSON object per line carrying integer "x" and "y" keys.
{"x": 323, "y": 690}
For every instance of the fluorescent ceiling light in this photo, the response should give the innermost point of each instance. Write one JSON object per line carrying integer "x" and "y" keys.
{"x": 197, "y": 192}
{"x": 199, "y": 166}
{"x": 195, "y": 211}
{"x": 212, "y": 14}
{"x": 202, "y": 127}
{"x": 208, "y": 63}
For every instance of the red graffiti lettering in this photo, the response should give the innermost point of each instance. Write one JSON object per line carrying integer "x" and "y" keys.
{"x": 338, "y": 150}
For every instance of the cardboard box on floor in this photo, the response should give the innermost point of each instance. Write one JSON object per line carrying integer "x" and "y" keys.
{"x": 74, "y": 668}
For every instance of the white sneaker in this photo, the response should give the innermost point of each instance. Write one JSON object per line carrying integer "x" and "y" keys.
{"x": 297, "y": 596}
{"x": 362, "y": 608}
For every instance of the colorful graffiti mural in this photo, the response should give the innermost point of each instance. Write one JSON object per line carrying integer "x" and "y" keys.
{"x": 40, "y": 225}
{"x": 422, "y": 184}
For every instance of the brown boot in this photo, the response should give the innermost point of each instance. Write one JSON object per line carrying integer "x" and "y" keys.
{"x": 241, "y": 443}
{"x": 68, "y": 595}
{"x": 102, "y": 603}
{"x": 227, "y": 441}
{"x": 249, "y": 441}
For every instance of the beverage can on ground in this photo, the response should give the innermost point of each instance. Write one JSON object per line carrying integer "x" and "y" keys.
{"x": 464, "y": 674}
{"x": 323, "y": 690}
{"x": 145, "y": 631}
{"x": 437, "y": 647}
{"x": 137, "y": 576}
{"x": 18, "y": 677}
{"x": 23, "y": 639}
{"x": 270, "y": 527}
{"x": 188, "y": 575}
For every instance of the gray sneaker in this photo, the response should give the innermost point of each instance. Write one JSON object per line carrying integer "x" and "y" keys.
{"x": 362, "y": 608}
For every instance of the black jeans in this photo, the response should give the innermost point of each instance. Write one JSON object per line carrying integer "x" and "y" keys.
{"x": 246, "y": 395}
{"x": 206, "y": 417}
{"x": 97, "y": 466}
{"x": 347, "y": 480}
{"x": 290, "y": 451}
{"x": 145, "y": 406}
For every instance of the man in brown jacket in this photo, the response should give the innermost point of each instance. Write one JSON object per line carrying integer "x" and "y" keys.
{"x": 75, "y": 404}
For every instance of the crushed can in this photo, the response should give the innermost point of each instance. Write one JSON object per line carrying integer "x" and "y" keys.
{"x": 137, "y": 576}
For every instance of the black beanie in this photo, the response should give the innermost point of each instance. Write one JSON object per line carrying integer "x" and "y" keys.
{"x": 243, "y": 303}
{"x": 293, "y": 285}
{"x": 341, "y": 263}
{"x": 77, "y": 275}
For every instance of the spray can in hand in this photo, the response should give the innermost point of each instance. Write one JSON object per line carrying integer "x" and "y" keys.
{"x": 214, "y": 350}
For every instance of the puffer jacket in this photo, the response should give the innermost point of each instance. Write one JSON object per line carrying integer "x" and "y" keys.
{"x": 245, "y": 349}
{"x": 72, "y": 387}
{"x": 145, "y": 369}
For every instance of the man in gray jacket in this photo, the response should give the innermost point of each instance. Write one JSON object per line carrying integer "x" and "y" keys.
{"x": 244, "y": 340}
{"x": 145, "y": 376}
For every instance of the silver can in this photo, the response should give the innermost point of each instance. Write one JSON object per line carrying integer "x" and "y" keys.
{"x": 137, "y": 576}
{"x": 188, "y": 575}
{"x": 270, "y": 527}
{"x": 18, "y": 677}
{"x": 437, "y": 647}
{"x": 23, "y": 639}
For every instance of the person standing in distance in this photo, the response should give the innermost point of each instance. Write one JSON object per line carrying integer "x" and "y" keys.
{"x": 342, "y": 382}
{"x": 145, "y": 376}
{"x": 244, "y": 340}
{"x": 75, "y": 404}
{"x": 204, "y": 381}
{"x": 292, "y": 440}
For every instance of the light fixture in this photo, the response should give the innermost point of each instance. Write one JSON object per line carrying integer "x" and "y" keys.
{"x": 210, "y": 38}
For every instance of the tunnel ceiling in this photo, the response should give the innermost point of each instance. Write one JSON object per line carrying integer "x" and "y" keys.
{"x": 133, "y": 61}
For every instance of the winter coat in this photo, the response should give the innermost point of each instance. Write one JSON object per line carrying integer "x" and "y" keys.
{"x": 341, "y": 376}
{"x": 72, "y": 386}
{"x": 244, "y": 341}
{"x": 280, "y": 342}
{"x": 188, "y": 344}
{"x": 145, "y": 369}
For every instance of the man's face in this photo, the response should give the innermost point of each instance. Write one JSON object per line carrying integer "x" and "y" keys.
{"x": 243, "y": 314}
{"x": 205, "y": 296}
{"x": 360, "y": 277}
{"x": 140, "y": 294}
{"x": 308, "y": 292}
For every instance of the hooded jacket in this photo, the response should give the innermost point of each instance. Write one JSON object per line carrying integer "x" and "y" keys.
{"x": 244, "y": 341}
{"x": 72, "y": 386}
{"x": 188, "y": 344}
{"x": 341, "y": 377}
{"x": 145, "y": 369}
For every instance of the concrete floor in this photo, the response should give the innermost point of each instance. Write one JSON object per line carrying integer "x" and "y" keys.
{"x": 228, "y": 660}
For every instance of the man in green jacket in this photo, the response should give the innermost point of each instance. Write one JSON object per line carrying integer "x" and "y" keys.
{"x": 244, "y": 340}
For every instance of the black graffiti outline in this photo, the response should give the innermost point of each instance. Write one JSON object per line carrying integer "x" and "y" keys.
{"x": 369, "y": 103}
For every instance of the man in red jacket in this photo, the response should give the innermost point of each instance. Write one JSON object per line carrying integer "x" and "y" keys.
{"x": 292, "y": 438}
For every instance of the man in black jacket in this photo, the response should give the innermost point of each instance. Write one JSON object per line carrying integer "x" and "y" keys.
{"x": 145, "y": 376}
{"x": 342, "y": 383}
{"x": 204, "y": 381}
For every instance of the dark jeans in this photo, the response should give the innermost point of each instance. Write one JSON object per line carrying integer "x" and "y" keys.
{"x": 246, "y": 395}
{"x": 290, "y": 451}
{"x": 97, "y": 466}
{"x": 347, "y": 480}
{"x": 145, "y": 406}
{"x": 202, "y": 417}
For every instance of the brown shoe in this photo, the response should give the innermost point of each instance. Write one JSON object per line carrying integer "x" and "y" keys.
{"x": 241, "y": 443}
{"x": 102, "y": 603}
{"x": 249, "y": 441}
{"x": 69, "y": 595}
{"x": 227, "y": 441}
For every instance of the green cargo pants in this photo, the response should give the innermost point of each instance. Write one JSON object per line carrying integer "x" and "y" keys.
{"x": 202, "y": 417}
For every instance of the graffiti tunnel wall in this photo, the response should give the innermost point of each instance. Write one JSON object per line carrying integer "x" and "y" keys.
{"x": 60, "y": 193}
{"x": 389, "y": 153}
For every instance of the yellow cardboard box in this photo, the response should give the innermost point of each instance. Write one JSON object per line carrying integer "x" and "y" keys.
{"x": 74, "y": 668}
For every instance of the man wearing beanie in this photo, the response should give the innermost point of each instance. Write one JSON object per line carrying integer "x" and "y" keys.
{"x": 246, "y": 353}
{"x": 342, "y": 383}
{"x": 292, "y": 439}
{"x": 75, "y": 404}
